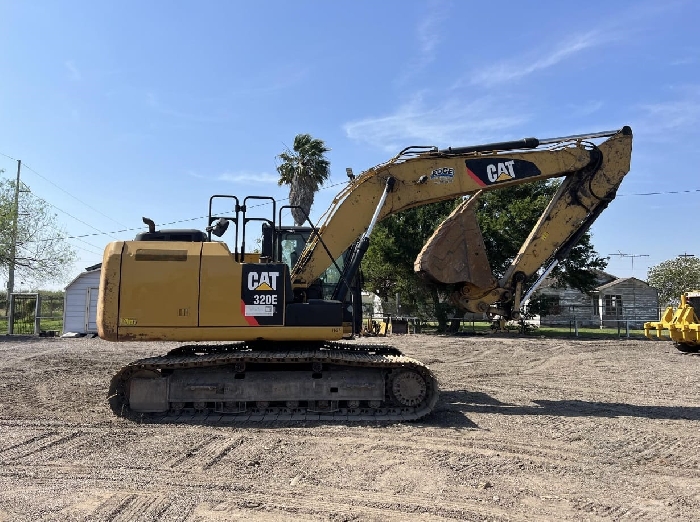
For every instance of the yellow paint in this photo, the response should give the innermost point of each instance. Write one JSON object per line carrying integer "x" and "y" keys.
{"x": 240, "y": 333}
{"x": 220, "y": 297}
{"x": 163, "y": 278}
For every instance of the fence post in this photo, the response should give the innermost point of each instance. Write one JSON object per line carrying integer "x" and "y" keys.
{"x": 37, "y": 315}
{"x": 11, "y": 317}
{"x": 575, "y": 327}
{"x": 627, "y": 328}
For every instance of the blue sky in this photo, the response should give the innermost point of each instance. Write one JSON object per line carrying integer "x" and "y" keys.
{"x": 147, "y": 108}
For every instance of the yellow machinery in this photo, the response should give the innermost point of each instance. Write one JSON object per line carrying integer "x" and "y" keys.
{"x": 289, "y": 305}
{"x": 682, "y": 324}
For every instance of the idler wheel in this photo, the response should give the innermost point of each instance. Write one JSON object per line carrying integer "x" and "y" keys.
{"x": 409, "y": 388}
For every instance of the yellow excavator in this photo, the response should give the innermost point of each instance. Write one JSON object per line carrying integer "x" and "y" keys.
{"x": 290, "y": 306}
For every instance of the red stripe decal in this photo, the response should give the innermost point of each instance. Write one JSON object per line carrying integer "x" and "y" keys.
{"x": 252, "y": 321}
{"x": 475, "y": 178}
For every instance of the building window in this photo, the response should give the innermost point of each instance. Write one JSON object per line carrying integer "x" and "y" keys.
{"x": 595, "y": 303}
{"x": 613, "y": 305}
{"x": 550, "y": 305}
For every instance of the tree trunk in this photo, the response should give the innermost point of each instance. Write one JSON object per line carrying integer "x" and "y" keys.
{"x": 439, "y": 310}
{"x": 454, "y": 326}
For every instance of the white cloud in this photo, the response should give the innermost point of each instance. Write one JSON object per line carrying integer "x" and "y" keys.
{"x": 429, "y": 37}
{"x": 511, "y": 70}
{"x": 248, "y": 178}
{"x": 450, "y": 123}
{"x": 240, "y": 177}
{"x": 662, "y": 118}
{"x": 75, "y": 74}
{"x": 429, "y": 34}
{"x": 585, "y": 108}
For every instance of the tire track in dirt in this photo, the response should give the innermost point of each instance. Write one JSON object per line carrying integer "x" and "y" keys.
{"x": 658, "y": 449}
{"x": 38, "y": 444}
{"x": 127, "y": 507}
{"x": 12, "y": 361}
{"x": 317, "y": 500}
{"x": 335, "y": 505}
{"x": 154, "y": 503}
{"x": 206, "y": 454}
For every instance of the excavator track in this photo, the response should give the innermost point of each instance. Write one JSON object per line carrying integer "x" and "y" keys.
{"x": 246, "y": 382}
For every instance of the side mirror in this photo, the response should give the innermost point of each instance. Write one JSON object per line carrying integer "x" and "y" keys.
{"x": 220, "y": 227}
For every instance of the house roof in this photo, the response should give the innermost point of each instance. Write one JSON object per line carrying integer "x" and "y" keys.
{"x": 600, "y": 275}
{"x": 620, "y": 281}
{"x": 89, "y": 269}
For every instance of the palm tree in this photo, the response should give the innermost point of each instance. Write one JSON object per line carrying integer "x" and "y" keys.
{"x": 304, "y": 169}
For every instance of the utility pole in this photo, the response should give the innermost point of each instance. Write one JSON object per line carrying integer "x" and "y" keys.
{"x": 13, "y": 246}
{"x": 686, "y": 255}
{"x": 634, "y": 293}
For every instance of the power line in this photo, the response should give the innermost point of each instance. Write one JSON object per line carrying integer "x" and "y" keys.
{"x": 690, "y": 191}
{"x": 111, "y": 233}
{"x": 70, "y": 215}
{"x": 65, "y": 191}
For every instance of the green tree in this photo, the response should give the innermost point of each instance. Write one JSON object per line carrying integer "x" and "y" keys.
{"x": 388, "y": 264}
{"x": 506, "y": 218}
{"x": 41, "y": 253}
{"x": 673, "y": 277}
{"x": 304, "y": 168}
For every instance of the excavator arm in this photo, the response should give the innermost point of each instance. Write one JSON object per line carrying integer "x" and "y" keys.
{"x": 455, "y": 254}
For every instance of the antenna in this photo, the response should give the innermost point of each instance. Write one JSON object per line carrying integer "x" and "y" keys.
{"x": 632, "y": 256}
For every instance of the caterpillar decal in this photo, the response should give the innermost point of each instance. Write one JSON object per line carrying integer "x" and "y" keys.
{"x": 488, "y": 171}
{"x": 262, "y": 295}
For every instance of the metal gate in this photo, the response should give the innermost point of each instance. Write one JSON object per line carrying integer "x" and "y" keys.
{"x": 23, "y": 314}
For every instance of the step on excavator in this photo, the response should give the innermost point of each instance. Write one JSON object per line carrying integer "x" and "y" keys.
{"x": 268, "y": 331}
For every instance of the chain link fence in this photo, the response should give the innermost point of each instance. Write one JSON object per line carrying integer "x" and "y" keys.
{"x": 31, "y": 314}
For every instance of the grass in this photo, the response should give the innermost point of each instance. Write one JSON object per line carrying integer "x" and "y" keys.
{"x": 28, "y": 328}
{"x": 482, "y": 327}
{"x": 476, "y": 328}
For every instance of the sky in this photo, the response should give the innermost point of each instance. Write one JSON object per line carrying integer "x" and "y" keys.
{"x": 126, "y": 109}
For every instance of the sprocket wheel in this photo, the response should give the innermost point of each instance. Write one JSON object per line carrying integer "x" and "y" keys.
{"x": 408, "y": 387}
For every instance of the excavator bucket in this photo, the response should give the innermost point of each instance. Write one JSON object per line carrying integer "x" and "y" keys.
{"x": 456, "y": 252}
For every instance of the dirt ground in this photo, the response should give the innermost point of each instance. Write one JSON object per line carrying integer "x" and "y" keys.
{"x": 525, "y": 429}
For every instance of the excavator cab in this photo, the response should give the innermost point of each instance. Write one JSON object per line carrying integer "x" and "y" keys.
{"x": 286, "y": 244}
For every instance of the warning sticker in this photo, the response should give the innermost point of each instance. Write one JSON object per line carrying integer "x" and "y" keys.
{"x": 259, "y": 310}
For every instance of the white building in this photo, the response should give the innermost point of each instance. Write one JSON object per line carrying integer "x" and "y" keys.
{"x": 80, "y": 302}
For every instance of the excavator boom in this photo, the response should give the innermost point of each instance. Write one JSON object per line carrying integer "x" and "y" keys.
{"x": 455, "y": 254}
{"x": 423, "y": 177}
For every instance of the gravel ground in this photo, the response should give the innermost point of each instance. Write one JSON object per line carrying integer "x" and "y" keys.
{"x": 525, "y": 429}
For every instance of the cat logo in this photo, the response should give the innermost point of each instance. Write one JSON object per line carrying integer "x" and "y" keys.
{"x": 501, "y": 172}
{"x": 487, "y": 171}
{"x": 263, "y": 281}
